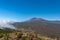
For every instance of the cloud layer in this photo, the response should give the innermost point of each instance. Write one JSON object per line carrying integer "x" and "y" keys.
{"x": 5, "y": 24}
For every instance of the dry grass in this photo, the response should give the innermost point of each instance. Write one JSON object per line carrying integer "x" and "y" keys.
{"x": 23, "y": 35}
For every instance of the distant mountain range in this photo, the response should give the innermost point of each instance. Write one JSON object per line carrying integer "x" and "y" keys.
{"x": 41, "y": 26}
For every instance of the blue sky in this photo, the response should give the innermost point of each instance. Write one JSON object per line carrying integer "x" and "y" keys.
{"x": 21, "y": 10}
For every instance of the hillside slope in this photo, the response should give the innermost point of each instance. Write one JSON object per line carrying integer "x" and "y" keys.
{"x": 41, "y": 26}
{"x": 21, "y": 35}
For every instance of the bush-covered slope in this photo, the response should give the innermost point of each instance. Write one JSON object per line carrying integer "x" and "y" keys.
{"x": 21, "y": 35}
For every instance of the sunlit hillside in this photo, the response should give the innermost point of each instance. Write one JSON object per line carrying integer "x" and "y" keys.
{"x": 21, "y": 35}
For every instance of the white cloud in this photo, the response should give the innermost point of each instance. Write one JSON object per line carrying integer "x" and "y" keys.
{"x": 5, "y": 24}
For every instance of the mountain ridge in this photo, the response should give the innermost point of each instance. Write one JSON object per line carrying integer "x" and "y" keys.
{"x": 39, "y": 25}
{"x": 43, "y": 27}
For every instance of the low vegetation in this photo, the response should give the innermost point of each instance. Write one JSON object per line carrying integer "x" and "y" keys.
{"x": 21, "y": 35}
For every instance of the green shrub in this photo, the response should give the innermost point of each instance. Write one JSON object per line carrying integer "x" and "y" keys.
{"x": 39, "y": 39}
{"x": 24, "y": 38}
